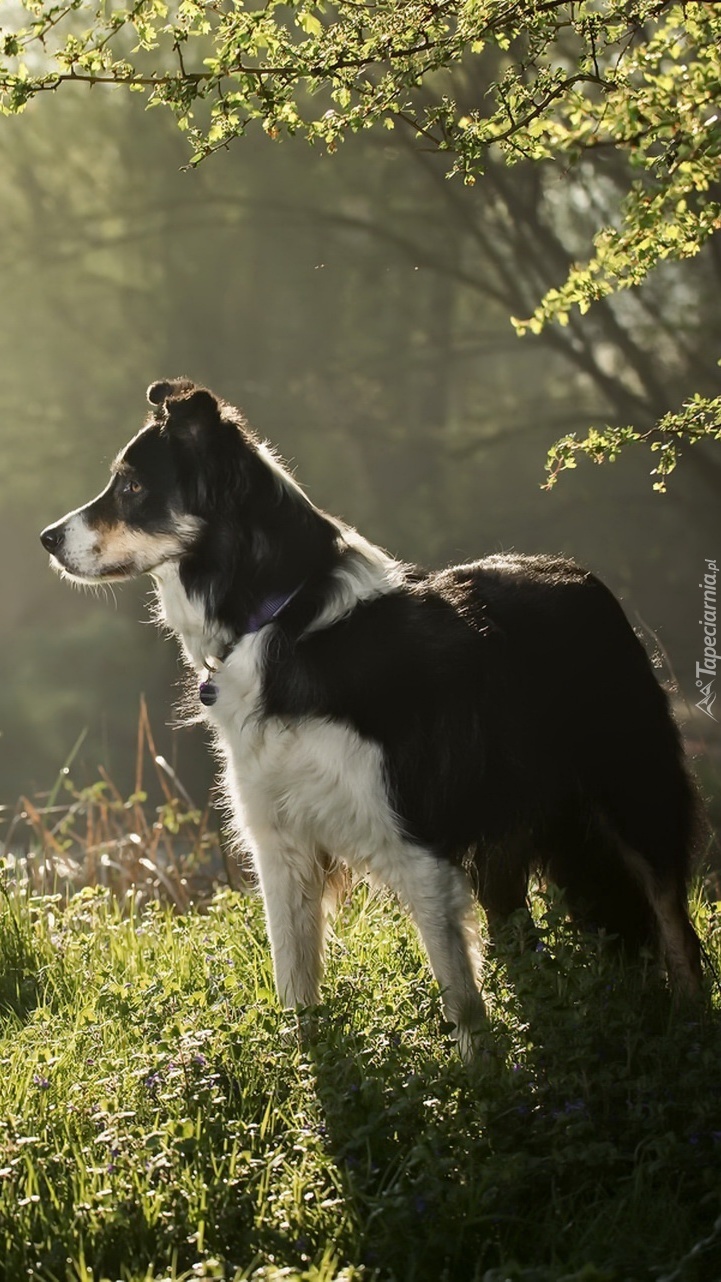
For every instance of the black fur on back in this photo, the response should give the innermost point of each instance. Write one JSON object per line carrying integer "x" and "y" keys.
{"x": 519, "y": 713}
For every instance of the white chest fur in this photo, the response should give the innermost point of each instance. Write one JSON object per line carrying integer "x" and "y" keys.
{"x": 186, "y": 618}
{"x": 311, "y": 782}
{"x": 308, "y": 782}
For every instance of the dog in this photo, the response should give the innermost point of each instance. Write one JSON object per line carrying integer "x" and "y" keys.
{"x": 443, "y": 732}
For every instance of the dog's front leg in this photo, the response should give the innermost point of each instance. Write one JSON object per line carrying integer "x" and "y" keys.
{"x": 292, "y": 885}
{"x": 439, "y": 898}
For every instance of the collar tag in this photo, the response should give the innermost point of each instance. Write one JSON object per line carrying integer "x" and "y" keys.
{"x": 208, "y": 692}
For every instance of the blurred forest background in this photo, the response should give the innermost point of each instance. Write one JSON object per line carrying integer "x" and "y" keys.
{"x": 357, "y": 307}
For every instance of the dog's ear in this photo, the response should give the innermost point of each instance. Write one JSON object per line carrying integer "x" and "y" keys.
{"x": 158, "y": 393}
{"x": 183, "y": 408}
{"x": 207, "y": 442}
{"x": 193, "y": 411}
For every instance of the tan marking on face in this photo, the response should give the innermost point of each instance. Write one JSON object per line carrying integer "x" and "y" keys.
{"x": 121, "y": 545}
{"x": 106, "y": 551}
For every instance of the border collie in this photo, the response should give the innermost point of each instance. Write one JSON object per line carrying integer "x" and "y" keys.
{"x": 442, "y": 732}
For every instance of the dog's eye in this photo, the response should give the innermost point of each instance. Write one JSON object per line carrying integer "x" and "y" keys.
{"x": 132, "y": 487}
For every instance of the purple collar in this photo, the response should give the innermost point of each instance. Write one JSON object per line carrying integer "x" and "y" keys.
{"x": 270, "y": 609}
{"x": 267, "y": 611}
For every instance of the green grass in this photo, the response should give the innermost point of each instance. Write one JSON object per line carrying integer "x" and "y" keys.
{"x": 161, "y": 1117}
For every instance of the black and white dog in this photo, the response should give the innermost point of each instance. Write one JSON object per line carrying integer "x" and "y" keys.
{"x": 437, "y": 731}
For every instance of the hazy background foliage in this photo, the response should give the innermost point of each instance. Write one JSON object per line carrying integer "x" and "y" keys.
{"x": 358, "y": 309}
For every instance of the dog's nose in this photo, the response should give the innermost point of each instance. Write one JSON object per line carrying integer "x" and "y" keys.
{"x": 52, "y": 537}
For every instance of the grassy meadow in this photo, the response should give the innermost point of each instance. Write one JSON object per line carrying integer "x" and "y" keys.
{"x": 162, "y": 1118}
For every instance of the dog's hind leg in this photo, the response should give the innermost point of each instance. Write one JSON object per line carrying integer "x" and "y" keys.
{"x": 679, "y": 942}
{"x": 500, "y": 876}
{"x": 439, "y": 898}
{"x": 293, "y": 887}
{"x": 655, "y": 824}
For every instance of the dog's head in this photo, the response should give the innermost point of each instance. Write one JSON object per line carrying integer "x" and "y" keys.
{"x": 186, "y": 458}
